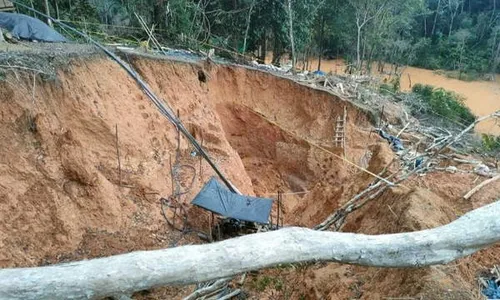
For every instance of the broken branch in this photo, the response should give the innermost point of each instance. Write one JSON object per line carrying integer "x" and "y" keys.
{"x": 480, "y": 186}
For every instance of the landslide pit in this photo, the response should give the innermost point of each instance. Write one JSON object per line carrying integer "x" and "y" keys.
{"x": 62, "y": 199}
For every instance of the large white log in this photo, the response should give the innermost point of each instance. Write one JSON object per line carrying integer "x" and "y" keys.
{"x": 124, "y": 274}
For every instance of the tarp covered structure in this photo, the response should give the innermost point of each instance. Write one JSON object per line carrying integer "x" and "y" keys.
{"x": 28, "y": 28}
{"x": 218, "y": 199}
{"x": 396, "y": 143}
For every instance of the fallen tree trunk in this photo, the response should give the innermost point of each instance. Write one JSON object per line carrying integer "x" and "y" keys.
{"x": 127, "y": 273}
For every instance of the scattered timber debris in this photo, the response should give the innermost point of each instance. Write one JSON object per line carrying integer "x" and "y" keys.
{"x": 491, "y": 283}
{"x": 434, "y": 142}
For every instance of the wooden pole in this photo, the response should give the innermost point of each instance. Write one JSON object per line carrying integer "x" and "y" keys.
{"x": 118, "y": 157}
{"x": 47, "y": 11}
{"x": 211, "y": 225}
{"x": 201, "y": 170}
{"x": 290, "y": 32}
{"x": 279, "y": 202}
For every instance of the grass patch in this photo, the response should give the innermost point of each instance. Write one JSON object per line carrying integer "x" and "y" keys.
{"x": 490, "y": 145}
{"x": 262, "y": 283}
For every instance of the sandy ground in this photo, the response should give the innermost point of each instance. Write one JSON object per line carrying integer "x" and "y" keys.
{"x": 63, "y": 198}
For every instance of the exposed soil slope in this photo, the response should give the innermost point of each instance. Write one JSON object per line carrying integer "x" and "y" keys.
{"x": 62, "y": 197}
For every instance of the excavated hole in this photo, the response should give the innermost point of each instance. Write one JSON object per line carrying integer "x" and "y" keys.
{"x": 64, "y": 199}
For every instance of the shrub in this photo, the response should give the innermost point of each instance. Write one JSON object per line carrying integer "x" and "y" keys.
{"x": 392, "y": 87}
{"x": 445, "y": 103}
{"x": 491, "y": 143}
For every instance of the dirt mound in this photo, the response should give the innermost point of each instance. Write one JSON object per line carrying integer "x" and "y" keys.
{"x": 400, "y": 210}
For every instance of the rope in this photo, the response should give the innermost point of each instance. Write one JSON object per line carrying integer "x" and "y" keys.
{"x": 164, "y": 109}
{"x": 329, "y": 152}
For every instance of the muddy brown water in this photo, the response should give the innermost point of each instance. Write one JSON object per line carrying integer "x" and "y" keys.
{"x": 482, "y": 97}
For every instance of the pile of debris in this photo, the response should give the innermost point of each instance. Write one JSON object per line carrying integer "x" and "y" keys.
{"x": 491, "y": 283}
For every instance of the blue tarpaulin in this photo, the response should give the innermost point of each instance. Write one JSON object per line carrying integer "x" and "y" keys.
{"x": 28, "y": 28}
{"x": 493, "y": 290}
{"x": 218, "y": 199}
{"x": 319, "y": 73}
{"x": 396, "y": 143}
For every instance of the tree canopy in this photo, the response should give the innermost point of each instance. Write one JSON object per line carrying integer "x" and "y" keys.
{"x": 458, "y": 35}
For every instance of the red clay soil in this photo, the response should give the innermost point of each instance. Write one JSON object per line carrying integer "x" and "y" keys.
{"x": 62, "y": 199}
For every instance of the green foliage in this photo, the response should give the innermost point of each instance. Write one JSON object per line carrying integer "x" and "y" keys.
{"x": 263, "y": 282}
{"x": 445, "y": 103}
{"x": 459, "y": 36}
{"x": 392, "y": 87}
{"x": 491, "y": 143}
{"x": 386, "y": 89}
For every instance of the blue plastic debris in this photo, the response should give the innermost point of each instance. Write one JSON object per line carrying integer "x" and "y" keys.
{"x": 396, "y": 144}
{"x": 319, "y": 73}
{"x": 418, "y": 162}
{"x": 493, "y": 290}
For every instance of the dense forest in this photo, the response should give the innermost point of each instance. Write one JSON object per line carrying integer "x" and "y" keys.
{"x": 461, "y": 35}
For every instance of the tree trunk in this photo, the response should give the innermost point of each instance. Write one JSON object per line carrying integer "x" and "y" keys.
{"x": 321, "y": 36}
{"x": 47, "y": 12}
{"x": 363, "y": 57}
{"x": 451, "y": 25}
{"x": 277, "y": 53}
{"x": 263, "y": 48}
{"x": 496, "y": 61}
{"x": 247, "y": 28}
{"x": 143, "y": 270}
{"x": 495, "y": 56}
{"x": 57, "y": 10}
{"x": 358, "y": 49}
{"x": 370, "y": 60}
{"x": 435, "y": 18}
{"x": 33, "y": 9}
{"x": 425, "y": 26}
{"x": 290, "y": 29}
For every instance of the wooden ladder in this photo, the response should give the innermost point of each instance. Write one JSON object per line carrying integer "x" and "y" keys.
{"x": 340, "y": 130}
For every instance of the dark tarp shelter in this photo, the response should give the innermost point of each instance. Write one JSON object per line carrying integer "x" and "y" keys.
{"x": 218, "y": 199}
{"x": 28, "y": 28}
